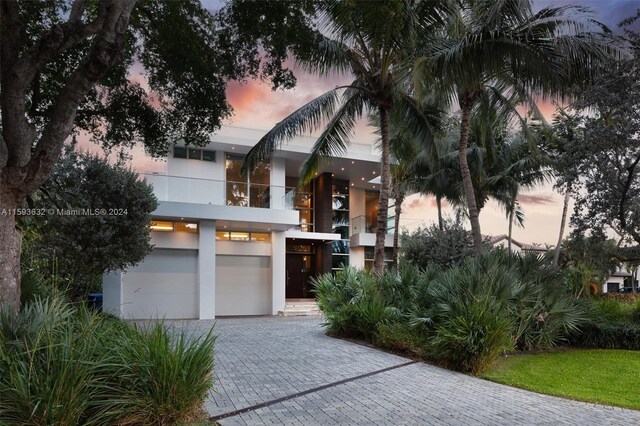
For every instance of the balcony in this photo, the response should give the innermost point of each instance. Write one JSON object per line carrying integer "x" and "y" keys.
{"x": 363, "y": 232}
{"x": 219, "y": 192}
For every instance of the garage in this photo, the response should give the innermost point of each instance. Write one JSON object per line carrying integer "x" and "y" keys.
{"x": 243, "y": 285}
{"x": 164, "y": 285}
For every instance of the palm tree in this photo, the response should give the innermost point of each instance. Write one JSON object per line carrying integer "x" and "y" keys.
{"x": 502, "y": 48}
{"x": 371, "y": 41}
{"x": 517, "y": 168}
{"x": 559, "y": 143}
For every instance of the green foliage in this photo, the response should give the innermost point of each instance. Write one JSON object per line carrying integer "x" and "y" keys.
{"x": 462, "y": 317}
{"x": 403, "y": 338}
{"x": 445, "y": 247}
{"x": 471, "y": 334}
{"x": 608, "y": 335}
{"x": 79, "y": 248}
{"x": 63, "y": 364}
{"x": 352, "y": 303}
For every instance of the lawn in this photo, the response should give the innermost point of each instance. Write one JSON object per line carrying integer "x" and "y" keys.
{"x": 609, "y": 377}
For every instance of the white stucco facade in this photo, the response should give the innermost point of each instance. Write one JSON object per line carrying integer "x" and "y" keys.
{"x": 213, "y": 259}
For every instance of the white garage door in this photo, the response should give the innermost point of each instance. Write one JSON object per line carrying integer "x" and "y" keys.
{"x": 243, "y": 285}
{"x": 164, "y": 285}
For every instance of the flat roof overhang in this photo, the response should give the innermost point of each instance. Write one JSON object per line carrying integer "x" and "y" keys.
{"x": 238, "y": 218}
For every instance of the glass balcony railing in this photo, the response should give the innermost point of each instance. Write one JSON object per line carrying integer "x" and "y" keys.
{"x": 217, "y": 192}
{"x": 369, "y": 225}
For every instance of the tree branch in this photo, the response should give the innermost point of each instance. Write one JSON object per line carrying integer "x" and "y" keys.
{"x": 623, "y": 201}
{"x": 105, "y": 53}
{"x": 77, "y": 10}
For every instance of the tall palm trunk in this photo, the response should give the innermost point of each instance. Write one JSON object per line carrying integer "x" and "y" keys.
{"x": 385, "y": 174}
{"x": 399, "y": 196}
{"x": 466, "y": 104}
{"x": 565, "y": 208}
{"x": 510, "y": 229}
{"x": 439, "y": 204}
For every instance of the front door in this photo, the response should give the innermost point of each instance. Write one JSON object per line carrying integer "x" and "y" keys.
{"x": 298, "y": 273}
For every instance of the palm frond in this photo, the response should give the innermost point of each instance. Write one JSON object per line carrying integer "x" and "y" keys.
{"x": 305, "y": 119}
{"x": 336, "y": 134}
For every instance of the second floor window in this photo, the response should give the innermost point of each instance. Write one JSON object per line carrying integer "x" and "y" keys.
{"x": 247, "y": 190}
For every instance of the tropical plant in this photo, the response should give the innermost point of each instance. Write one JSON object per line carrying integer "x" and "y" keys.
{"x": 502, "y": 54}
{"x": 371, "y": 41}
{"x": 61, "y": 363}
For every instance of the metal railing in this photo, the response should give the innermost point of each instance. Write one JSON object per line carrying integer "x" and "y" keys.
{"x": 368, "y": 225}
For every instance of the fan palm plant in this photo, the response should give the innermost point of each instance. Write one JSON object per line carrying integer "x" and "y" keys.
{"x": 371, "y": 41}
{"x": 502, "y": 49}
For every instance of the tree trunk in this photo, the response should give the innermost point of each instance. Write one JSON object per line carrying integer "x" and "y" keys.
{"x": 396, "y": 229}
{"x": 563, "y": 221}
{"x": 11, "y": 239}
{"x": 385, "y": 174}
{"x": 466, "y": 104}
{"x": 439, "y": 204}
{"x": 510, "y": 229}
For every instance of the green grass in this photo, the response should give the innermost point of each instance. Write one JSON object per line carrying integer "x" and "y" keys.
{"x": 607, "y": 376}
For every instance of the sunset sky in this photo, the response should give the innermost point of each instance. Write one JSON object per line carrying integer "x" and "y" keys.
{"x": 256, "y": 106}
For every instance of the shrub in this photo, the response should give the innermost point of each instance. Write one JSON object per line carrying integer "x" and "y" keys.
{"x": 471, "y": 335}
{"x": 352, "y": 303}
{"x": 64, "y": 364}
{"x": 166, "y": 380}
{"x": 401, "y": 337}
{"x": 432, "y": 246}
{"x": 608, "y": 336}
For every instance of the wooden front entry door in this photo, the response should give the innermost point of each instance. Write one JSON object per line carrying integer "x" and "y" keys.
{"x": 298, "y": 274}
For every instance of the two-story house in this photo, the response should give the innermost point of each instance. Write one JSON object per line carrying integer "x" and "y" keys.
{"x": 227, "y": 243}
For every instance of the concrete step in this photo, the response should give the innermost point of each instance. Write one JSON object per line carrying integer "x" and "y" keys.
{"x": 298, "y": 313}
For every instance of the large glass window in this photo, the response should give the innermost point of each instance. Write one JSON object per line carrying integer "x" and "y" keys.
{"x": 173, "y": 226}
{"x": 340, "y": 224}
{"x": 369, "y": 255}
{"x": 247, "y": 191}
{"x": 300, "y": 198}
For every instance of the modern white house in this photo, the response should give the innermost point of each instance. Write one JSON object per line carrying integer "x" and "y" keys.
{"x": 232, "y": 244}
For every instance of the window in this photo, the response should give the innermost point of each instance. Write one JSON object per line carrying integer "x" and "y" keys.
{"x": 242, "y": 236}
{"x": 300, "y": 198}
{"x": 179, "y": 152}
{"x": 247, "y": 191}
{"x": 194, "y": 153}
{"x": 340, "y": 224}
{"x": 186, "y": 227}
{"x": 173, "y": 226}
{"x": 372, "y": 204}
{"x": 162, "y": 226}
{"x": 369, "y": 255}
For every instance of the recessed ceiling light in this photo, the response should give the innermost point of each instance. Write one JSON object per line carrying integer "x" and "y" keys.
{"x": 353, "y": 162}
{"x": 225, "y": 227}
{"x": 342, "y": 169}
{"x": 268, "y": 229}
{"x": 332, "y": 174}
{"x": 374, "y": 172}
{"x": 374, "y": 187}
{"x": 362, "y": 178}
{"x": 352, "y": 184}
{"x": 233, "y": 147}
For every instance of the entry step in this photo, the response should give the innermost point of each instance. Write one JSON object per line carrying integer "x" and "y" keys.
{"x": 292, "y": 309}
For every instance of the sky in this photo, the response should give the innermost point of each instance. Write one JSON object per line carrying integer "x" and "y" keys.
{"x": 257, "y": 106}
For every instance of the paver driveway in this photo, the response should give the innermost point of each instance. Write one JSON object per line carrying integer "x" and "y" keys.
{"x": 259, "y": 360}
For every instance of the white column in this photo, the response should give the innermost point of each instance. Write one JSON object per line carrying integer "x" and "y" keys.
{"x": 278, "y": 271}
{"x": 278, "y": 173}
{"x": 112, "y": 293}
{"x": 207, "y": 269}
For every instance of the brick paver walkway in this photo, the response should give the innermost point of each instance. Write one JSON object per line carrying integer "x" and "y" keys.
{"x": 264, "y": 359}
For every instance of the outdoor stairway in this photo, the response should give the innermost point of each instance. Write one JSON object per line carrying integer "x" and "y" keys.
{"x": 297, "y": 308}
